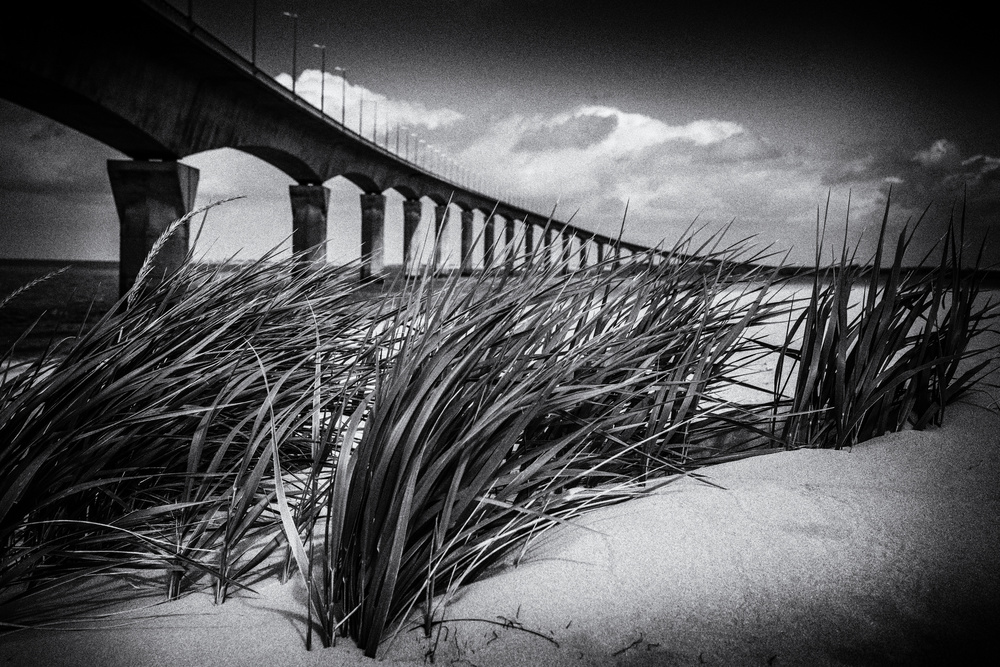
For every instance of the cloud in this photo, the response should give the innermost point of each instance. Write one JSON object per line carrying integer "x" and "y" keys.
{"x": 635, "y": 131}
{"x": 593, "y": 148}
{"x": 940, "y": 173}
{"x": 361, "y": 101}
{"x": 597, "y": 154}
{"x": 580, "y": 131}
{"x": 926, "y": 182}
{"x": 740, "y": 147}
{"x": 594, "y": 159}
{"x": 937, "y": 172}
{"x": 983, "y": 171}
{"x": 942, "y": 154}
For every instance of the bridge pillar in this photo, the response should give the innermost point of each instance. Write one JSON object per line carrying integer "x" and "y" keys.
{"x": 412, "y": 211}
{"x": 529, "y": 241}
{"x": 567, "y": 249}
{"x": 489, "y": 239}
{"x": 583, "y": 252}
{"x": 440, "y": 224}
{"x": 309, "y": 208}
{"x": 467, "y": 218}
{"x": 545, "y": 247}
{"x": 150, "y": 196}
{"x": 509, "y": 248}
{"x": 372, "y": 235}
{"x": 600, "y": 252}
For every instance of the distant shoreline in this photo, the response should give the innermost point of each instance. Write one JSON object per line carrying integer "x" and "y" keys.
{"x": 88, "y": 263}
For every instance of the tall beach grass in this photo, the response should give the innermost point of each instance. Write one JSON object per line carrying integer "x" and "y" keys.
{"x": 387, "y": 446}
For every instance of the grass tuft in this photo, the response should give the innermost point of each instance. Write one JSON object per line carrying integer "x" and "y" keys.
{"x": 390, "y": 445}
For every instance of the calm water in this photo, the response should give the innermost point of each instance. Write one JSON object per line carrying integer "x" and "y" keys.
{"x": 60, "y": 304}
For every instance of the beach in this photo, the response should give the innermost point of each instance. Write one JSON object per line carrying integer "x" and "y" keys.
{"x": 888, "y": 554}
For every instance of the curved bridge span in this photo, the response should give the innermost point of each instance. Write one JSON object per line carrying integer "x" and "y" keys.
{"x": 142, "y": 78}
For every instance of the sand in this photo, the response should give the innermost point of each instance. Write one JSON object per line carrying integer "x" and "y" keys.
{"x": 888, "y": 554}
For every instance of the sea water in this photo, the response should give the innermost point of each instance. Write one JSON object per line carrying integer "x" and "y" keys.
{"x": 56, "y": 307}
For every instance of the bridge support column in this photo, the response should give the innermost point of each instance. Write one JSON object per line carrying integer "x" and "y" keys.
{"x": 567, "y": 249}
{"x": 467, "y": 218}
{"x": 489, "y": 239}
{"x": 583, "y": 252}
{"x": 150, "y": 196}
{"x": 529, "y": 242}
{"x": 440, "y": 225}
{"x": 372, "y": 235}
{"x": 547, "y": 247}
{"x": 412, "y": 211}
{"x": 510, "y": 250}
{"x": 310, "y": 204}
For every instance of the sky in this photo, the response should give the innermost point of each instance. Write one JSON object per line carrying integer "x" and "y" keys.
{"x": 606, "y": 110}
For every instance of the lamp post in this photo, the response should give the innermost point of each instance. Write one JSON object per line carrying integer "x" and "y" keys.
{"x": 420, "y": 141}
{"x": 253, "y": 34}
{"x": 343, "y": 93}
{"x": 375, "y": 125}
{"x": 295, "y": 43}
{"x": 322, "y": 77}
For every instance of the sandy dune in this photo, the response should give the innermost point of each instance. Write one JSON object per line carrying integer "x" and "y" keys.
{"x": 885, "y": 555}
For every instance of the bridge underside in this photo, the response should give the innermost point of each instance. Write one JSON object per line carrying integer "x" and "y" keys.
{"x": 163, "y": 89}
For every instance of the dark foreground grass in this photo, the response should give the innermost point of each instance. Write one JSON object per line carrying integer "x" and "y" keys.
{"x": 894, "y": 360}
{"x": 388, "y": 447}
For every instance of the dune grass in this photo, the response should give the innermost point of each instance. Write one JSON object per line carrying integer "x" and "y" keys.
{"x": 893, "y": 360}
{"x": 388, "y": 446}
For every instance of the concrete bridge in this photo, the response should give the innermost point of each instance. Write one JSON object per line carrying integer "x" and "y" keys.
{"x": 144, "y": 79}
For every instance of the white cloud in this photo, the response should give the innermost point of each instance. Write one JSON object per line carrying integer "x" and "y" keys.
{"x": 311, "y": 86}
{"x": 562, "y": 154}
{"x": 712, "y": 169}
{"x": 942, "y": 153}
{"x": 634, "y": 131}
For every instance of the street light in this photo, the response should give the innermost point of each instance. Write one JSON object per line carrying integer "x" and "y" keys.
{"x": 417, "y": 154}
{"x": 343, "y": 93}
{"x": 375, "y": 125}
{"x": 322, "y": 77}
{"x": 253, "y": 35}
{"x": 295, "y": 42}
